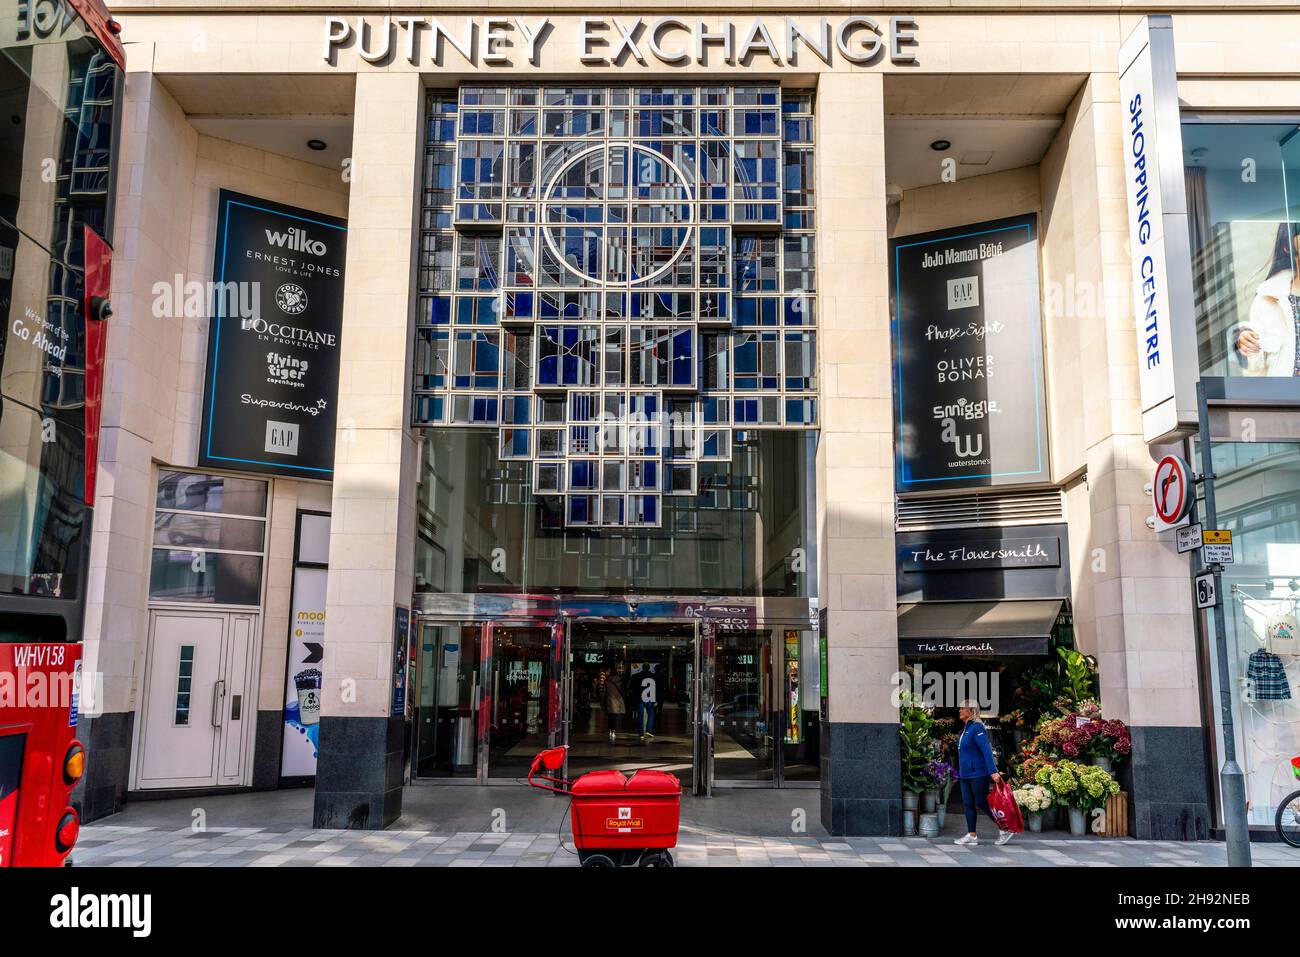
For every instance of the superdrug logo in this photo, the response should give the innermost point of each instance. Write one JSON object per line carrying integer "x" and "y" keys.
{"x": 296, "y": 240}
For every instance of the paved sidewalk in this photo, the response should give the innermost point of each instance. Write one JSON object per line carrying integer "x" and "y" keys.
{"x": 505, "y": 826}
{"x": 113, "y": 845}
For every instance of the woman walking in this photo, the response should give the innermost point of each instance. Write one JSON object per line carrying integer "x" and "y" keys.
{"x": 615, "y": 704}
{"x": 977, "y": 768}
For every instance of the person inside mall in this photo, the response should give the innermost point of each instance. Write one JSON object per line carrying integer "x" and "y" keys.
{"x": 978, "y": 770}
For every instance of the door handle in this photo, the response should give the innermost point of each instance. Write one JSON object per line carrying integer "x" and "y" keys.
{"x": 218, "y": 696}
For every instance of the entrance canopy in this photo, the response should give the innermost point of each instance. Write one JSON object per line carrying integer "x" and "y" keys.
{"x": 975, "y": 628}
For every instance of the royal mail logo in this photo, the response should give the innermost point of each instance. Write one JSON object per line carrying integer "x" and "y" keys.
{"x": 625, "y": 823}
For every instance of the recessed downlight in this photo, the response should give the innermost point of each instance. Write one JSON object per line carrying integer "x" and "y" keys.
{"x": 940, "y": 145}
{"x": 317, "y": 145}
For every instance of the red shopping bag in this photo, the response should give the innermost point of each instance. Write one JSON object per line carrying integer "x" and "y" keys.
{"x": 1005, "y": 809}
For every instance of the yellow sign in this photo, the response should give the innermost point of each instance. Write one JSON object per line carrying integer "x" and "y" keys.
{"x": 1216, "y": 536}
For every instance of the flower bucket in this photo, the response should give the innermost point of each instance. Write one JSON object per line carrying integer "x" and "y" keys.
{"x": 1106, "y": 764}
{"x": 910, "y": 800}
{"x": 1078, "y": 822}
{"x": 1035, "y": 822}
{"x": 909, "y": 822}
{"x": 941, "y": 812}
{"x": 929, "y": 801}
{"x": 930, "y": 825}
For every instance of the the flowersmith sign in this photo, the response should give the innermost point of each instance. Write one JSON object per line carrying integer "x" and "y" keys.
{"x": 506, "y": 41}
{"x": 1042, "y": 552}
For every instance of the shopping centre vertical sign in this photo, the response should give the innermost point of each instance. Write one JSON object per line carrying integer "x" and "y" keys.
{"x": 968, "y": 357}
{"x": 1159, "y": 246}
{"x": 273, "y": 339}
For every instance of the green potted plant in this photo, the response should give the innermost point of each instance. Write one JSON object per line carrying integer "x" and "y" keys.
{"x": 916, "y": 748}
{"x": 1082, "y": 788}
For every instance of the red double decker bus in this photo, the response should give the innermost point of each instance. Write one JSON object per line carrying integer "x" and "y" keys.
{"x": 61, "y": 80}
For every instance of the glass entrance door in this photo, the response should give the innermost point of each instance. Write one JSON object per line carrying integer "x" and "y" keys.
{"x": 447, "y": 702}
{"x": 521, "y": 686}
{"x": 744, "y": 732}
{"x": 630, "y": 697}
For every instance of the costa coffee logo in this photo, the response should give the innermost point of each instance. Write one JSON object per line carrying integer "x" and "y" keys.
{"x": 291, "y": 299}
{"x": 296, "y": 240}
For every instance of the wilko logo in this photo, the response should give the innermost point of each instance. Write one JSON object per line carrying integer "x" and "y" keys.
{"x": 296, "y": 240}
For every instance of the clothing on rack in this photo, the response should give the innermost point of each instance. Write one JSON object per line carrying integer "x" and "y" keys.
{"x": 1266, "y": 677}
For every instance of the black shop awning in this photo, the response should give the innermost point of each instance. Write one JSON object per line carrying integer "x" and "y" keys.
{"x": 977, "y": 629}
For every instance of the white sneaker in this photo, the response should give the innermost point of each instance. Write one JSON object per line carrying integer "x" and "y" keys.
{"x": 967, "y": 841}
{"x": 1003, "y": 837}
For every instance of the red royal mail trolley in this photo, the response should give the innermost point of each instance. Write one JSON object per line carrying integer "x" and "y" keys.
{"x": 619, "y": 820}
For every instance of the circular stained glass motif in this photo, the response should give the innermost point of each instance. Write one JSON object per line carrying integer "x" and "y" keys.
{"x": 618, "y": 214}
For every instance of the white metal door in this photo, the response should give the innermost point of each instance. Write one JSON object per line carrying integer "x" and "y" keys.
{"x": 196, "y": 703}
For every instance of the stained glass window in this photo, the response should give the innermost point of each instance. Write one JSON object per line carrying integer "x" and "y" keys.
{"x": 617, "y": 277}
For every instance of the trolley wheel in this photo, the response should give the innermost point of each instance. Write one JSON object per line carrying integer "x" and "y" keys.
{"x": 656, "y": 859}
{"x": 599, "y": 860}
{"x": 1288, "y": 819}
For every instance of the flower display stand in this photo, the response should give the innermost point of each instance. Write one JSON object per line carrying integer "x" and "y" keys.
{"x": 1117, "y": 815}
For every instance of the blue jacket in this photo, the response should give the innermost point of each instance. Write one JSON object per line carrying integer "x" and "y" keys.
{"x": 974, "y": 754}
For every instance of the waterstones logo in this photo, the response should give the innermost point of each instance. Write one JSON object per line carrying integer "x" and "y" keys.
{"x": 296, "y": 240}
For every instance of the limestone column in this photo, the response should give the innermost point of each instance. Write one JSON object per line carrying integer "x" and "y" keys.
{"x": 359, "y": 769}
{"x": 861, "y": 792}
{"x": 1132, "y": 590}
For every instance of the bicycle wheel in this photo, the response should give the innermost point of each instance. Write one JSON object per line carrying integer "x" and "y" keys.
{"x": 1288, "y": 819}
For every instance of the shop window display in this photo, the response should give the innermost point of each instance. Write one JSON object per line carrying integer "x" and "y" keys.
{"x": 1243, "y": 211}
{"x": 1258, "y": 497}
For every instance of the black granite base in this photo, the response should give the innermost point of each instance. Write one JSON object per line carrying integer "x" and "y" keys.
{"x": 268, "y": 742}
{"x": 1168, "y": 780}
{"x": 107, "y": 740}
{"x": 359, "y": 773}
{"x": 861, "y": 786}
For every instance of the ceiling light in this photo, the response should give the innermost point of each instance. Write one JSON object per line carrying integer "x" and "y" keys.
{"x": 317, "y": 145}
{"x": 940, "y": 145}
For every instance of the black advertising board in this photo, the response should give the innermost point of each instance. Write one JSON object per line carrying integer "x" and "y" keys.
{"x": 983, "y": 564}
{"x": 972, "y": 647}
{"x": 1039, "y": 552}
{"x": 968, "y": 357}
{"x": 269, "y": 403}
